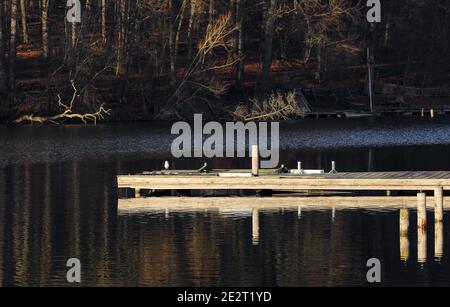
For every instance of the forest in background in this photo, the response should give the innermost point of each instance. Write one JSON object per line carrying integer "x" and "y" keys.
{"x": 167, "y": 59}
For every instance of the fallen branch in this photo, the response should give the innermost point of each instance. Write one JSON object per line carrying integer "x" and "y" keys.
{"x": 67, "y": 113}
{"x": 277, "y": 106}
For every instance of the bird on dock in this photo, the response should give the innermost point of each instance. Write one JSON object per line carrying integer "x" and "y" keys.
{"x": 166, "y": 165}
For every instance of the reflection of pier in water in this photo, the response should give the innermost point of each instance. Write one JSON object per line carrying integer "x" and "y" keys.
{"x": 254, "y": 206}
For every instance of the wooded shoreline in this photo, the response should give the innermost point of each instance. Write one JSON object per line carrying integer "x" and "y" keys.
{"x": 145, "y": 60}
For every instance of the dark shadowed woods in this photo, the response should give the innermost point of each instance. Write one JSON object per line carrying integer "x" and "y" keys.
{"x": 159, "y": 59}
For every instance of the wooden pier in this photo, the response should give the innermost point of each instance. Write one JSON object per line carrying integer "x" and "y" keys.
{"x": 244, "y": 180}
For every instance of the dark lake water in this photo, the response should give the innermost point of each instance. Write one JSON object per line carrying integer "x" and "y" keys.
{"x": 58, "y": 200}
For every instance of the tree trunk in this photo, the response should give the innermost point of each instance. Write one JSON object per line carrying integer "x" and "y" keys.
{"x": 104, "y": 30}
{"x": 180, "y": 25}
{"x": 211, "y": 11}
{"x": 193, "y": 7}
{"x": 45, "y": 36}
{"x": 23, "y": 11}
{"x": 12, "y": 47}
{"x": 239, "y": 46}
{"x": 122, "y": 33}
{"x": 74, "y": 34}
{"x": 173, "y": 77}
{"x": 268, "y": 41}
{"x": 3, "y": 75}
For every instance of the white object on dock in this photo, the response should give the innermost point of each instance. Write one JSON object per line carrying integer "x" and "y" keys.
{"x": 333, "y": 168}
{"x": 235, "y": 174}
{"x": 307, "y": 172}
{"x": 299, "y": 167}
{"x": 166, "y": 165}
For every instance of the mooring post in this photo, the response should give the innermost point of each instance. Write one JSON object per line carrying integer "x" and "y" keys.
{"x": 333, "y": 167}
{"x": 299, "y": 167}
{"x": 255, "y": 160}
{"x": 404, "y": 241}
{"x": 439, "y": 204}
{"x": 255, "y": 226}
{"x": 421, "y": 227}
{"x": 431, "y": 113}
{"x": 421, "y": 211}
{"x": 438, "y": 240}
{"x": 137, "y": 193}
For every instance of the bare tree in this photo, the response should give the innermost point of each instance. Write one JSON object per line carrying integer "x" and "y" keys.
{"x": 219, "y": 35}
{"x": 193, "y": 11}
{"x": 12, "y": 48}
{"x": 122, "y": 37}
{"x": 172, "y": 48}
{"x": 44, "y": 20}
{"x": 104, "y": 29}
{"x": 3, "y": 75}
{"x": 211, "y": 11}
{"x": 239, "y": 44}
{"x": 268, "y": 40}
{"x": 23, "y": 17}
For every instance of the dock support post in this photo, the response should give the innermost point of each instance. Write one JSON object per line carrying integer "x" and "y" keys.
{"x": 404, "y": 221}
{"x": 421, "y": 211}
{"x": 255, "y": 160}
{"x": 421, "y": 228}
{"x": 439, "y": 204}
{"x": 438, "y": 240}
{"x": 255, "y": 226}
{"x": 137, "y": 193}
{"x": 404, "y": 241}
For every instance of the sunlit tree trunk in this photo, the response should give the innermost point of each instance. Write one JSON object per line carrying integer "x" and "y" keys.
{"x": 74, "y": 34}
{"x": 23, "y": 11}
{"x": 44, "y": 21}
{"x": 104, "y": 30}
{"x": 12, "y": 47}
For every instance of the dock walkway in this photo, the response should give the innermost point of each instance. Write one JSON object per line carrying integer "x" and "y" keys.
{"x": 355, "y": 181}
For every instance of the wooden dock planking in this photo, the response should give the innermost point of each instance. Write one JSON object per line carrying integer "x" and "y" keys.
{"x": 340, "y": 182}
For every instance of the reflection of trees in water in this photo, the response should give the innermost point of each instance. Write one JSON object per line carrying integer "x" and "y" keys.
{"x": 214, "y": 250}
{"x": 52, "y": 212}
{"x": 2, "y": 222}
{"x": 46, "y": 218}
